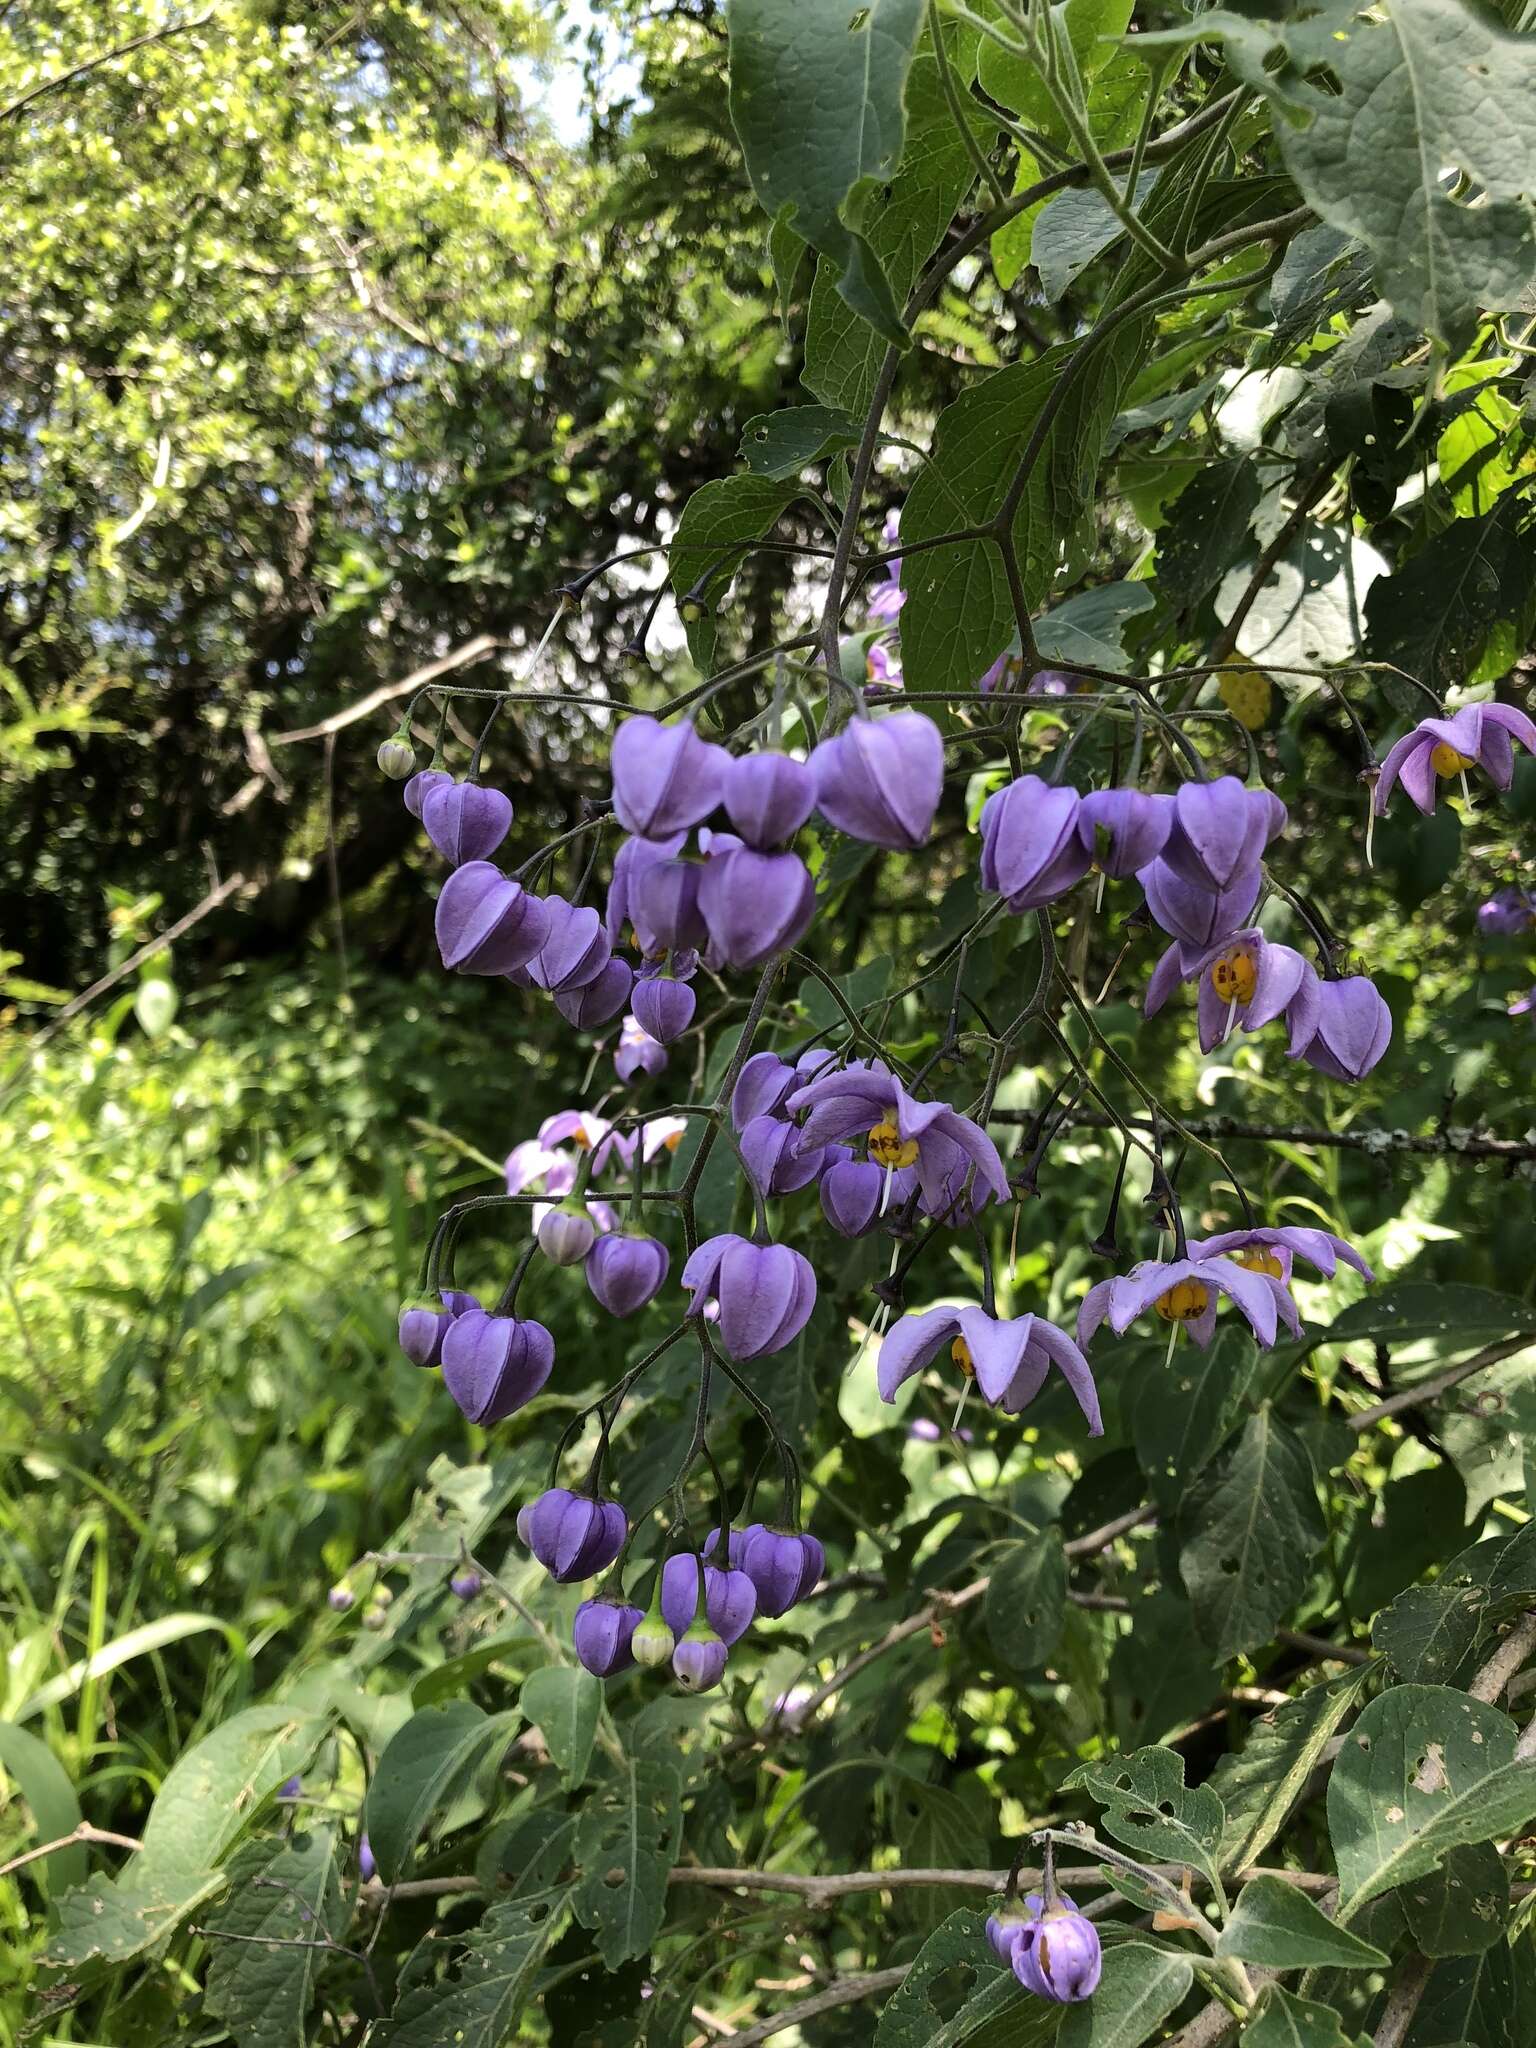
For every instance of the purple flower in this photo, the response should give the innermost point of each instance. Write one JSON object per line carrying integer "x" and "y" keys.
{"x": 855, "y": 1193}
{"x": 761, "y": 1088}
{"x": 1220, "y": 831}
{"x": 486, "y": 924}
{"x": 735, "y": 1539}
{"x": 766, "y": 1293}
{"x": 1270, "y": 1251}
{"x": 664, "y": 906}
{"x": 625, "y": 1271}
{"x": 730, "y": 1597}
{"x": 340, "y": 1598}
{"x": 366, "y": 1867}
{"x": 573, "y": 1535}
{"x": 637, "y": 1051}
{"x": 1477, "y": 736}
{"x": 699, "y": 1659}
{"x": 494, "y": 1365}
{"x": 1058, "y": 1956}
{"x": 420, "y": 785}
{"x": 1507, "y": 912}
{"x": 783, "y": 1568}
{"x": 1184, "y": 1291}
{"x": 1005, "y": 672}
{"x": 602, "y": 1632}
{"x": 466, "y": 1585}
{"x": 422, "y": 1330}
{"x": 1124, "y": 830}
{"x": 1246, "y": 980}
{"x": 574, "y": 952}
{"x": 632, "y": 861}
{"x": 1056, "y": 682}
{"x": 1006, "y": 1925}
{"x": 755, "y": 904}
{"x": 768, "y": 797}
{"x": 1010, "y": 1360}
{"x": 882, "y": 668}
{"x": 597, "y": 1002}
{"x": 465, "y": 821}
{"x": 880, "y": 779}
{"x": 566, "y": 1234}
{"x": 887, "y": 597}
{"x": 943, "y": 1146}
{"x": 665, "y": 778}
{"x": 1030, "y": 847}
{"x": 291, "y": 1788}
{"x": 771, "y": 1149}
{"x": 1354, "y": 1028}
{"x": 663, "y": 1007}
{"x": 1193, "y": 914}
{"x": 1522, "y": 1006}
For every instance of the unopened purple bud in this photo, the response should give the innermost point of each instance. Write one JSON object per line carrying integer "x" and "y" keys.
{"x": 365, "y": 1864}
{"x": 664, "y": 906}
{"x": 420, "y": 786}
{"x": 730, "y": 1598}
{"x": 1058, "y": 1956}
{"x": 665, "y": 778}
{"x": 575, "y": 949}
{"x": 1354, "y": 1028}
{"x": 625, "y": 1271}
{"x": 699, "y": 1659}
{"x": 567, "y": 1234}
{"x": 766, "y": 1293}
{"x": 602, "y": 1632}
{"x": 784, "y": 1568}
{"x": 290, "y": 1788}
{"x": 771, "y": 1149}
{"x": 760, "y": 1089}
{"x": 755, "y": 904}
{"x": 734, "y": 1540}
{"x": 487, "y": 924}
{"x": 663, "y": 1007}
{"x": 599, "y": 1001}
{"x": 1030, "y": 847}
{"x": 880, "y": 779}
{"x": 1005, "y": 1926}
{"x": 1220, "y": 831}
{"x": 340, "y": 1598}
{"x": 1123, "y": 830}
{"x": 494, "y": 1365}
{"x": 856, "y": 1192}
{"x": 466, "y": 821}
{"x": 768, "y": 797}
{"x": 574, "y": 1536}
{"x": 422, "y": 1331}
{"x": 465, "y": 1585}
{"x": 1193, "y": 913}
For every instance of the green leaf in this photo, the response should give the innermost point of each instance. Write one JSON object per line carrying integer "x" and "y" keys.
{"x": 213, "y": 1789}
{"x": 1423, "y": 1770}
{"x": 781, "y": 444}
{"x": 44, "y": 1784}
{"x": 1489, "y": 1999}
{"x": 1139, "y": 1988}
{"x": 1207, "y": 529}
{"x": 1410, "y": 1311}
{"x": 626, "y": 1843}
{"x": 1148, "y": 1807}
{"x": 1420, "y": 1518}
{"x": 489, "y": 1982}
{"x": 1089, "y": 627}
{"x": 903, "y": 225}
{"x": 419, "y": 1772}
{"x": 1014, "y": 82}
{"x": 1463, "y": 1907}
{"x": 1434, "y": 615}
{"x": 1160, "y": 1673}
{"x": 955, "y": 1986}
{"x": 1285, "y": 2021}
{"x": 563, "y": 1702}
{"x": 959, "y": 614}
{"x": 817, "y": 100}
{"x": 1183, "y": 1412}
{"x": 1428, "y": 1631}
{"x": 1259, "y": 1786}
{"x": 1255, "y": 1528}
{"x": 112, "y": 1920}
{"x": 1276, "y": 1925}
{"x": 281, "y": 1893}
{"x": 1071, "y": 230}
{"x": 719, "y": 522}
{"x": 1025, "y": 1603}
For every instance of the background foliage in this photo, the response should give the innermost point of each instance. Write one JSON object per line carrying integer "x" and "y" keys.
{"x": 329, "y": 355}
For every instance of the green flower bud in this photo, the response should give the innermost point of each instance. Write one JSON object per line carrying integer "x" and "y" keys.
{"x": 653, "y": 1642}
{"x": 397, "y": 757}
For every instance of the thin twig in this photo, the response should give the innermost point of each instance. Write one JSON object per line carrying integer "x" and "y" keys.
{"x": 154, "y": 35}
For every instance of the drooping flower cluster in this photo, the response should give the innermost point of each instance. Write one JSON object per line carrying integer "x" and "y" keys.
{"x": 1052, "y": 1948}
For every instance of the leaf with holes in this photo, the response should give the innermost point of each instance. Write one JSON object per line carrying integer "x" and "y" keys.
{"x": 626, "y": 1843}
{"x": 1435, "y": 613}
{"x": 779, "y": 445}
{"x": 284, "y": 1897}
{"x": 1423, "y": 1770}
{"x": 487, "y": 1982}
{"x": 1148, "y": 1807}
{"x": 1025, "y": 1603}
{"x": 1206, "y": 530}
{"x": 1253, "y": 1529}
{"x": 1462, "y": 1908}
